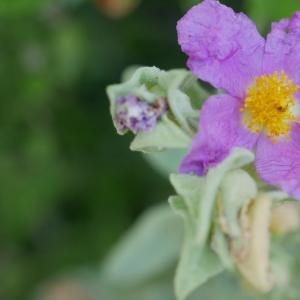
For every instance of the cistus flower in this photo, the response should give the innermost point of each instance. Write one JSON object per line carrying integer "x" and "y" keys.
{"x": 136, "y": 115}
{"x": 260, "y": 79}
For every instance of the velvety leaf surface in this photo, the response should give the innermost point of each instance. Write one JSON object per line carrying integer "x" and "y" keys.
{"x": 149, "y": 248}
{"x": 196, "y": 201}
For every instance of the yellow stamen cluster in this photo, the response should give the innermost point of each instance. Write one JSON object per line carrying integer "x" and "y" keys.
{"x": 269, "y": 103}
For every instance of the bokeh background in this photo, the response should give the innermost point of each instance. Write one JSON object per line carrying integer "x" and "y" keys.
{"x": 69, "y": 186}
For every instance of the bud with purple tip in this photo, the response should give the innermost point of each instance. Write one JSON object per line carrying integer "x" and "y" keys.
{"x": 159, "y": 107}
{"x": 137, "y": 115}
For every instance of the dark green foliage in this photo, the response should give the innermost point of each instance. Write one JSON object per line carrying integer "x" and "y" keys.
{"x": 69, "y": 186}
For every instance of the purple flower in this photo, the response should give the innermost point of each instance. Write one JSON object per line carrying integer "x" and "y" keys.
{"x": 260, "y": 79}
{"x": 136, "y": 115}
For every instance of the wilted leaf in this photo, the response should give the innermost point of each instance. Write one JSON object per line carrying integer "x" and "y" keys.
{"x": 285, "y": 218}
{"x": 236, "y": 190}
{"x": 254, "y": 264}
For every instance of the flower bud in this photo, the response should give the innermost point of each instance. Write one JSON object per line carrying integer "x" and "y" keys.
{"x": 136, "y": 115}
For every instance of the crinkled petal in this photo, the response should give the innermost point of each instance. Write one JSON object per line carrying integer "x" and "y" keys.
{"x": 282, "y": 50}
{"x": 279, "y": 164}
{"x": 224, "y": 48}
{"x": 220, "y": 129}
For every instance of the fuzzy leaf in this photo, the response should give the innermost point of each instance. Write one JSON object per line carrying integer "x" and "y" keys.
{"x": 195, "y": 202}
{"x": 190, "y": 188}
{"x": 196, "y": 265}
{"x": 220, "y": 247}
{"x": 285, "y": 260}
{"x": 179, "y": 102}
{"x": 148, "y": 249}
{"x": 166, "y": 135}
{"x": 195, "y": 268}
{"x": 165, "y": 162}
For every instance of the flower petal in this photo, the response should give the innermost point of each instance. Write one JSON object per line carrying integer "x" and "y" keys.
{"x": 279, "y": 164}
{"x": 220, "y": 129}
{"x": 282, "y": 50}
{"x": 224, "y": 48}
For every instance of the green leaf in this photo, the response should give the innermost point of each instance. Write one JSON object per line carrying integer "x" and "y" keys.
{"x": 285, "y": 260}
{"x": 143, "y": 83}
{"x": 166, "y": 135}
{"x": 220, "y": 246}
{"x": 195, "y": 268}
{"x": 129, "y": 72}
{"x": 165, "y": 162}
{"x": 195, "y": 203}
{"x": 190, "y": 188}
{"x": 225, "y": 286}
{"x": 158, "y": 289}
{"x": 150, "y": 247}
{"x": 179, "y": 102}
{"x": 196, "y": 265}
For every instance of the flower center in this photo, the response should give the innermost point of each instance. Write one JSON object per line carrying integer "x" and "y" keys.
{"x": 269, "y": 105}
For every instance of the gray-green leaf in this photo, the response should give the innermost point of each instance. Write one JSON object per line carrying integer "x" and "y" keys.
{"x": 196, "y": 264}
{"x": 195, "y": 202}
{"x": 148, "y": 249}
{"x": 165, "y": 162}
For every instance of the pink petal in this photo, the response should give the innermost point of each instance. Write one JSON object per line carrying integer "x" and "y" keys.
{"x": 220, "y": 129}
{"x": 283, "y": 48}
{"x": 279, "y": 164}
{"x": 224, "y": 48}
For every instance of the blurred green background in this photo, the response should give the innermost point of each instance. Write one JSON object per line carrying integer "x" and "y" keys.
{"x": 69, "y": 186}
